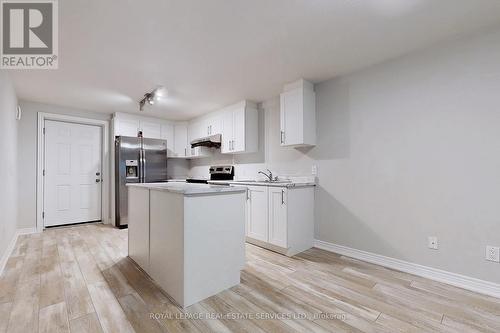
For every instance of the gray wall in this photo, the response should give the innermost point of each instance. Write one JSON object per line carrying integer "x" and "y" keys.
{"x": 410, "y": 149}
{"x": 406, "y": 149}
{"x": 8, "y": 149}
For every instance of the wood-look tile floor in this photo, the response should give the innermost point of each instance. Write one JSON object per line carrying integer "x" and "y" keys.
{"x": 79, "y": 279}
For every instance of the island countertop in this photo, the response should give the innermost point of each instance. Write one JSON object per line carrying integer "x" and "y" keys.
{"x": 190, "y": 189}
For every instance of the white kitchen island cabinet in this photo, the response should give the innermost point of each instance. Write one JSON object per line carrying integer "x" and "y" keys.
{"x": 196, "y": 237}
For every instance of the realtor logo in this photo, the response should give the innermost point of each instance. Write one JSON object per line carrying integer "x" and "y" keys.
{"x": 29, "y": 34}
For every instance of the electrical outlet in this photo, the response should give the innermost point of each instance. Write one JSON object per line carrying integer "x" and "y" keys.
{"x": 493, "y": 253}
{"x": 432, "y": 242}
{"x": 314, "y": 170}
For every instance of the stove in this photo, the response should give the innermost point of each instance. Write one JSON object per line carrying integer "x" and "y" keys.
{"x": 219, "y": 172}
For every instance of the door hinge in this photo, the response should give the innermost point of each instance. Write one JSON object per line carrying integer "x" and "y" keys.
{"x": 44, "y": 131}
{"x": 43, "y": 172}
{"x": 43, "y": 215}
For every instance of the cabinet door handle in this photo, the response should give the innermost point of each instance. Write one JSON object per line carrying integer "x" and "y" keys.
{"x": 185, "y": 151}
{"x": 282, "y": 138}
{"x": 282, "y": 197}
{"x": 248, "y": 194}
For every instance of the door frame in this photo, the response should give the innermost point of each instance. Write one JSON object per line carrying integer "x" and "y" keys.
{"x": 106, "y": 172}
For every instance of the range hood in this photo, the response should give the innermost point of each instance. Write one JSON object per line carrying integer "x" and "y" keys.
{"x": 212, "y": 141}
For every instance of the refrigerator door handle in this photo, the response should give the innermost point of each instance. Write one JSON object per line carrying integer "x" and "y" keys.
{"x": 141, "y": 166}
{"x": 144, "y": 165}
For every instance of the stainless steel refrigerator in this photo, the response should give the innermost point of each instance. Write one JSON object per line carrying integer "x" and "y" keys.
{"x": 137, "y": 160}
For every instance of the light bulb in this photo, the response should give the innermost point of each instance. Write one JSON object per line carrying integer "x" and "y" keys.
{"x": 160, "y": 92}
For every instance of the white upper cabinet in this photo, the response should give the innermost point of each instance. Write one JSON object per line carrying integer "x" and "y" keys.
{"x": 227, "y": 131}
{"x": 167, "y": 133}
{"x": 211, "y": 125}
{"x": 238, "y": 125}
{"x": 131, "y": 125}
{"x": 196, "y": 129}
{"x": 240, "y": 128}
{"x": 126, "y": 127}
{"x": 150, "y": 129}
{"x": 181, "y": 139}
{"x": 205, "y": 126}
{"x": 298, "y": 114}
{"x": 215, "y": 124}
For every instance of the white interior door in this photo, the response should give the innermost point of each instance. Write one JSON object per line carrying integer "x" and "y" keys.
{"x": 73, "y": 166}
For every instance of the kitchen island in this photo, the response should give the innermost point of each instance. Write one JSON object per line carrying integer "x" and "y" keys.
{"x": 190, "y": 238}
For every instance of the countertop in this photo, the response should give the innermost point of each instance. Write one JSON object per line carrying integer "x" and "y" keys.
{"x": 287, "y": 184}
{"x": 189, "y": 189}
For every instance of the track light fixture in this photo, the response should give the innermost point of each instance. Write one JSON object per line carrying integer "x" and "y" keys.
{"x": 152, "y": 97}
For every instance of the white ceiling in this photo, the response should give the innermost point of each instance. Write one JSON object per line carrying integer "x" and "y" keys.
{"x": 209, "y": 54}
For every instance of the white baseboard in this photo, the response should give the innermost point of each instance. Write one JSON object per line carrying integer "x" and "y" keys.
{"x": 454, "y": 279}
{"x": 12, "y": 244}
{"x": 25, "y": 231}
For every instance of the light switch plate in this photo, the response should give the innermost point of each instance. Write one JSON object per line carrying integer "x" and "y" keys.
{"x": 314, "y": 170}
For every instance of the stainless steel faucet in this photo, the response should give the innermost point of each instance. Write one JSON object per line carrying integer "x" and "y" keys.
{"x": 269, "y": 176}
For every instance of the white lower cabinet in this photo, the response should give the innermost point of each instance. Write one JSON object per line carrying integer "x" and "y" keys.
{"x": 280, "y": 218}
{"x": 191, "y": 245}
{"x": 138, "y": 227}
{"x": 257, "y": 213}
